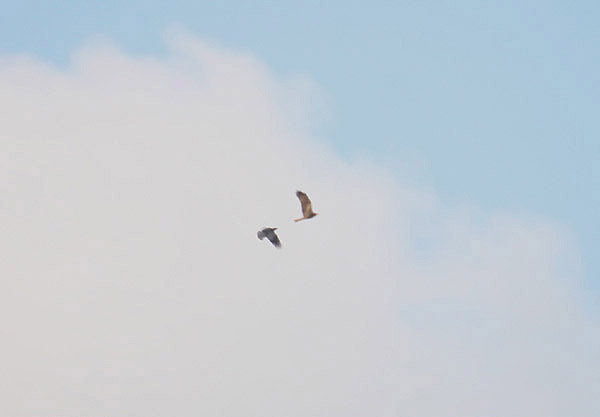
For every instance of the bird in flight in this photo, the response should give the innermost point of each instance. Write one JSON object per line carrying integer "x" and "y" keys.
{"x": 269, "y": 233}
{"x": 307, "y": 211}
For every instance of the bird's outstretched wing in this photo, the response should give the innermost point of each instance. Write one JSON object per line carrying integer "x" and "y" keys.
{"x": 273, "y": 238}
{"x": 304, "y": 203}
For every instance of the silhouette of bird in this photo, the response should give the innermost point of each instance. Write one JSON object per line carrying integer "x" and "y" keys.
{"x": 307, "y": 212}
{"x": 269, "y": 233}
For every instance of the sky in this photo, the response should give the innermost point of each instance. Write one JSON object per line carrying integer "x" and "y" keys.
{"x": 487, "y": 103}
{"x": 451, "y": 151}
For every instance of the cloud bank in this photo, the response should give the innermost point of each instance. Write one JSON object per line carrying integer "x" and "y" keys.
{"x": 133, "y": 282}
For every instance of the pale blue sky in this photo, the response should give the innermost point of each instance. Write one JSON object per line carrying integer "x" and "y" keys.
{"x": 495, "y": 102}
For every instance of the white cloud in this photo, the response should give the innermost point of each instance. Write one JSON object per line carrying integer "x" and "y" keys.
{"x": 133, "y": 282}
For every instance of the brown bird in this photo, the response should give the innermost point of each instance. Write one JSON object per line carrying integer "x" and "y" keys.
{"x": 307, "y": 212}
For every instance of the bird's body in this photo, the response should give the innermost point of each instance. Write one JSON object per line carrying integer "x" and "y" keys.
{"x": 269, "y": 233}
{"x": 306, "y": 205}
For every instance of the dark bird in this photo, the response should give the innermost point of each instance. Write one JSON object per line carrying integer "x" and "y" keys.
{"x": 269, "y": 233}
{"x": 307, "y": 212}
